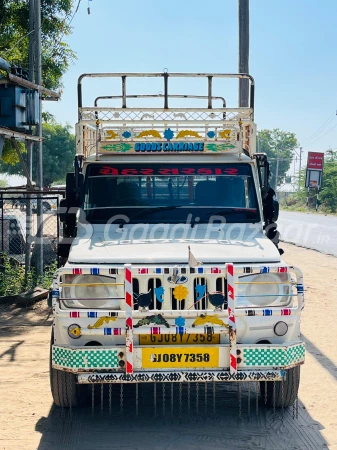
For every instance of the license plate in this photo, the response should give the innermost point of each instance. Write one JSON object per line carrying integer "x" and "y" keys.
{"x": 169, "y": 339}
{"x": 188, "y": 357}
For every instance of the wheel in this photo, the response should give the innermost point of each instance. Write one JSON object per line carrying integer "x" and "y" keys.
{"x": 290, "y": 389}
{"x": 65, "y": 391}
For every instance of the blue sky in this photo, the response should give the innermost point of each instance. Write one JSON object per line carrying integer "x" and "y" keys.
{"x": 292, "y": 55}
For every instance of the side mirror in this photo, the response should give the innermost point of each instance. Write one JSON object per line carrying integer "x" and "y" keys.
{"x": 276, "y": 207}
{"x": 74, "y": 189}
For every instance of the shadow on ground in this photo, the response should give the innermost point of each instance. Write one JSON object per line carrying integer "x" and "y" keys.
{"x": 211, "y": 420}
{"x": 14, "y": 319}
{"x": 323, "y": 360}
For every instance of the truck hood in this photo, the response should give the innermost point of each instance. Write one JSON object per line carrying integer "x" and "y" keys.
{"x": 154, "y": 244}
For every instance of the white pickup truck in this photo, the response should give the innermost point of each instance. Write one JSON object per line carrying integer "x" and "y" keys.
{"x": 172, "y": 268}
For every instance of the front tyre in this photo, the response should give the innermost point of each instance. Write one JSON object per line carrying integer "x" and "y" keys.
{"x": 65, "y": 391}
{"x": 281, "y": 397}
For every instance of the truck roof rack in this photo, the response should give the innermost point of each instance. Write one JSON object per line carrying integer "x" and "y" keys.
{"x": 110, "y": 130}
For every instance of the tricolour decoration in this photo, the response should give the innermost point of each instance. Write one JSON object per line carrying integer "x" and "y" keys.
{"x": 128, "y": 317}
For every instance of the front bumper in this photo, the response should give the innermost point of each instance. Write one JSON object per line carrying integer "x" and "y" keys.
{"x": 107, "y": 364}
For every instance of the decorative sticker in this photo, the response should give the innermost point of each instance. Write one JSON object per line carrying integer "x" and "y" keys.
{"x": 143, "y": 299}
{"x": 101, "y": 321}
{"x": 225, "y": 134}
{"x": 156, "y": 319}
{"x": 204, "y": 319}
{"x": 219, "y": 147}
{"x": 200, "y": 290}
{"x": 168, "y": 134}
{"x": 159, "y": 293}
{"x": 111, "y": 134}
{"x": 180, "y": 293}
{"x": 184, "y": 133}
{"x": 120, "y": 147}
{"x": 153, "y": 133}
{"x": 180, "y": 322}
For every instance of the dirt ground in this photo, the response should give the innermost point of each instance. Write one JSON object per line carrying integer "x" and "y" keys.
{"x": 28, "y": 419}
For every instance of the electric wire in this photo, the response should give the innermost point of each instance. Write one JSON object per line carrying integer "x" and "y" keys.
{"x": 319, "y": 138}
{"x": 319, "y": 130}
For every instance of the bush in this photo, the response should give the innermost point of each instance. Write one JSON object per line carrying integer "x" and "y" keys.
{"x": 13, "y": 280}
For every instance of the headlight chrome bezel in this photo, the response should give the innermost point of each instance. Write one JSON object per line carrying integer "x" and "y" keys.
{"x": 279, "y": 282}
{"x": 89, "y": 297}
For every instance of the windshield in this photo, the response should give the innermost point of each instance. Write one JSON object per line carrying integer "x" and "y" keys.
{"x": 167, "y": 193}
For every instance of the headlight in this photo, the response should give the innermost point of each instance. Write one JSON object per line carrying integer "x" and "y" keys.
{"x": 90, "y": 291}
{"x": 270, "y": 289}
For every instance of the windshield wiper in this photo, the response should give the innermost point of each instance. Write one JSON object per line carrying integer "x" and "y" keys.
{"x": 150, "y": 210}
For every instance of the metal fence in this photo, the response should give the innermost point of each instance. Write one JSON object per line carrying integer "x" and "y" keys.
{"x": 19, "y": 227}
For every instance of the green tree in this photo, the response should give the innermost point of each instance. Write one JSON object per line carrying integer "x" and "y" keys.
{"x": 14, "y": 40}
{"x": 328, "y": 193}
{"x": 277, "y": 144}
{"x": 3, "y": 183}
{"x": 58, "y": 154}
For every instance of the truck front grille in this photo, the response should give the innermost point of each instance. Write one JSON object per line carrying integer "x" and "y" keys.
{"x": 192, "y": 300}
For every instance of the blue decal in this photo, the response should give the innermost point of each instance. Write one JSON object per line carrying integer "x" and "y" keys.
{"x": 267, "y": 312}
{"x": 55, "y": 293}
{"x": 92, "y": 314}
{"x": 158, "y": 270}
{"x": 300, "y": 288}
{"x": 264, "y": 269}
{"x": 200, "y": 290}
{"x": 211, "y": 134}
{"x": 168, "y": 134}
{"x": 94, "y": 271}
{"x": 180, "y": 322}
{"x": 126, "y": 134}
{"x": 200, "y": 270}
{"x": 107, "y": 331}
{"x": 159, "y": 292}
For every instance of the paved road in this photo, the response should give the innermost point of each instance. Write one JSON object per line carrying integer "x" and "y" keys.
{"x": 314, "y": 231}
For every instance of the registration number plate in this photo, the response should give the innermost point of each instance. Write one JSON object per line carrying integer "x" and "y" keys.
{"x": 191, "y": 357}
{"x": 169, "y": 339}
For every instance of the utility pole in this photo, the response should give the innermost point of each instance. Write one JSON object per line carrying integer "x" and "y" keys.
{"x": 31, "y": 56}
{"x": 243, "y": 51}
{"x": 39, "y": 178}
{"x": 29, "y": 144}
{"x": 299, "y": 173}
